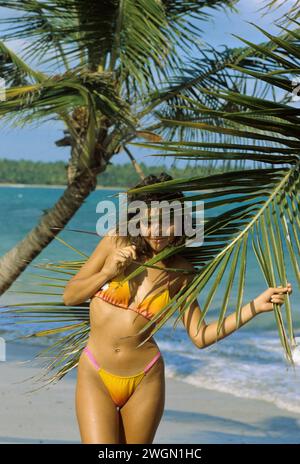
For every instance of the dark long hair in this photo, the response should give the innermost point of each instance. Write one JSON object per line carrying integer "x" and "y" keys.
{"x": 142, "y": 246}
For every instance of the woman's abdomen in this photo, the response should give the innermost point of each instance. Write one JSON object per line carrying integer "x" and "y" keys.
{"x": 114, "y": 338}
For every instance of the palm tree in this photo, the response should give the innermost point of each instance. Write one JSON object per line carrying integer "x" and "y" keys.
{"x": 259, "y": 131}
{"x": 104, "y": 69}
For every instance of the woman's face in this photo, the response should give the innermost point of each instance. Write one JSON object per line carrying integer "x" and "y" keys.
{"x": 157, "y": 236}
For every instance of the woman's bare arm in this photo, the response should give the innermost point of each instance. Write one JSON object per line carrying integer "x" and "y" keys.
{"x": 207, "y": 333}
{"x": 91, "y": 275}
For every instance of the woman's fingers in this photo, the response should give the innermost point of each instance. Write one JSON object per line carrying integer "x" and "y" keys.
{"x": 278, "y": 293}
{"x": 281, "y": 289}
{"x": 277, "y": 299}
{"x": 125, "y": 252}
{"x": 133, "y": 250}
{"x": 128, "y": 252}
{"x": 273, "y": 295}
{"x": 123, "y": 255}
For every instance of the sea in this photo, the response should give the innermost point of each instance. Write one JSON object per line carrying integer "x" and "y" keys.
{"x": 248, "y": 363}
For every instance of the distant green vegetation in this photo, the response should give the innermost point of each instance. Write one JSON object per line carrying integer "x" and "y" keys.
{"x": 32, "y": 172}
{"x": 54, "y": 173}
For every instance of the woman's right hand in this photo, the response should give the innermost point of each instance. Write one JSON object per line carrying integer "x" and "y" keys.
{"x": 118, "y": 260}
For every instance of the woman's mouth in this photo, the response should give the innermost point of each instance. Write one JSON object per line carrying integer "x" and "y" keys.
{"x": 157, "y": 240}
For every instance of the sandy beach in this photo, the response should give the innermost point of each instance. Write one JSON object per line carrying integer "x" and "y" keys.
{"x": 192, "y": 415}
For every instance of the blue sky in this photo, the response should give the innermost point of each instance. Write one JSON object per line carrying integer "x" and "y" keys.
{"x": 38, "y": 143}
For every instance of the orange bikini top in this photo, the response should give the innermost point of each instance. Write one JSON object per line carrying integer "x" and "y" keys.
{"x": 119, "y": 295}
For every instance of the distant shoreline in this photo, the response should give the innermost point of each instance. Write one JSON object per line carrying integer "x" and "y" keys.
{"x": 99, "y": 187}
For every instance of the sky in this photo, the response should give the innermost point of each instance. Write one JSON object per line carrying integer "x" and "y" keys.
{"x": 37, "y": 143}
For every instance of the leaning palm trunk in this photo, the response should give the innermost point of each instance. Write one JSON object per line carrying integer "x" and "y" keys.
{"x": 82, "y": 180}
{"x": 50, "y": 224}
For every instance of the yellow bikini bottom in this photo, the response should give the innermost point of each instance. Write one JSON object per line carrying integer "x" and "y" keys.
{"x": 119, "y": 387}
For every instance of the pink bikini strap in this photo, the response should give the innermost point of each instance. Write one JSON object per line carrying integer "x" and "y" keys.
{"x": 91, "y": 357}
{"x": 93, "y": 360}
{"x": 152, "y": 362}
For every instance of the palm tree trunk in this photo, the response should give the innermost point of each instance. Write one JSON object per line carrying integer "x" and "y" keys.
{"x": 82, "y": 180}
{"x": 18, "y": 258}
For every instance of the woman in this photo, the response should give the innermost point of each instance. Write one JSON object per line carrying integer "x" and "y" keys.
{"x": 120, "y": 390}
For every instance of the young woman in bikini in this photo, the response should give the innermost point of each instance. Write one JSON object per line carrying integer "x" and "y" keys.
{"x": 120, "y": 390}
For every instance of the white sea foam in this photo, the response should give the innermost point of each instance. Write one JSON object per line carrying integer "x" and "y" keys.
{"x": 244, "y": 366}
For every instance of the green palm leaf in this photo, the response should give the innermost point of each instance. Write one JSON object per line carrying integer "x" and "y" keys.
{"x": 14, "y": 70}
{"x": 94, "y": 33}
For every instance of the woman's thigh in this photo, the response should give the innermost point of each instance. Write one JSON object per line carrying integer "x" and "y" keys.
{"x": 97, "y": 415}
{"x": 142, "y": 413}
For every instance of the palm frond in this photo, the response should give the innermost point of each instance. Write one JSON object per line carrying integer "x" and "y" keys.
{"x": 14, "y": 70}
{"x": 268, "y": 215}
{"x": 286, "y": 16}
{"x": 126, "y": 36}
{"x": 219, "y": 71}
{"x": 64, "y": 93}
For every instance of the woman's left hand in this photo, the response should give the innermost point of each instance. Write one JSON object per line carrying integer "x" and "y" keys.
{"x": 265, "y": 302}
